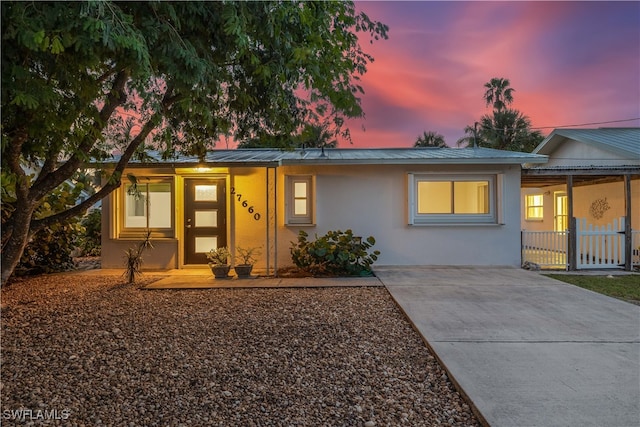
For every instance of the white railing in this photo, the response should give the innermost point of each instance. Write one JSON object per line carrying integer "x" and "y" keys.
{"x": 600, "y": 246}
{"x": 547, "y": 249}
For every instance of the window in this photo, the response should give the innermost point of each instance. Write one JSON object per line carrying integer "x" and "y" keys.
{"x": 443, "y": 199}
{"x": 299, "y": 199}
{"x": 534, "y": 207}
{"x": 148, "y": 206}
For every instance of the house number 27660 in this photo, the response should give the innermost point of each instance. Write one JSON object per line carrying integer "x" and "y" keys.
{"x": 245, "y": 204}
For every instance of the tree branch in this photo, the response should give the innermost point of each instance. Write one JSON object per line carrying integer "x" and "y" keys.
{"x": 167, "y": 101}
{"x": 38, "y": 224}
{"x": 47, "y": 181}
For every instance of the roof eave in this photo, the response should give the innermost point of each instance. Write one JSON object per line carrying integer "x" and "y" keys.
{"x": 347, "y": 162}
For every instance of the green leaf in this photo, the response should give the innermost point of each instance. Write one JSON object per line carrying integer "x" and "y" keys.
{"x": 38, "y": 37}
{"x": 56, "y": 46}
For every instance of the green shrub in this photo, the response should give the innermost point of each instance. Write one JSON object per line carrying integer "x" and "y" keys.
{"x": 336, "y": 253}
{"x": 89, "y": 242}
{"x": 50, "y": 249}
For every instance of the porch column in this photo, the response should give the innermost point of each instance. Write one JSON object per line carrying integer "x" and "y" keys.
{"x": 272, "y": 220}
{"x": 572, "y": 243}
{"x": 628, "y": 248}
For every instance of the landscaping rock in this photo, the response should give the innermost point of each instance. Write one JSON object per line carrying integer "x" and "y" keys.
{"x": 104, "y": 353}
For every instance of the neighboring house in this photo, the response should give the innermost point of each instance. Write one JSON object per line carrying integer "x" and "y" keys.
{"x": 593, "y": 175}
{"x": 424, "y": 206}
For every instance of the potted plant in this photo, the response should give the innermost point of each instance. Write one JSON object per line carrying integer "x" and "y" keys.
{"x": 218, "y": 262}
{"x": 244, "y": 260}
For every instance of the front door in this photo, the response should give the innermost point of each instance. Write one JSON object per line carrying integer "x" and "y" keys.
{"x": 205, "y": 217}
{"x": 561, "y": 211}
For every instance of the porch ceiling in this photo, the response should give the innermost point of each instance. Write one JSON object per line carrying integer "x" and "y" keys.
{"x": 549, "y": 180}
{"x": 538, "y": 180}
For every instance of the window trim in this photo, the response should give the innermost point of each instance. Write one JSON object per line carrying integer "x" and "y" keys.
{"x": 137, "y": 232}
{"x": 494, "y": 217}
{"x": 527, "y": 207}
{"x": 290, "y": 217}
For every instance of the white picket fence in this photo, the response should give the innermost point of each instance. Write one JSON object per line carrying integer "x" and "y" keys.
{"x": 547, "y": 249}
{"x": 600, "y": 246}
{"x": 597, "y": 247}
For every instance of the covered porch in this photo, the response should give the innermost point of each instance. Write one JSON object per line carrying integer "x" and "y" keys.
{"x": 594, "y": 223}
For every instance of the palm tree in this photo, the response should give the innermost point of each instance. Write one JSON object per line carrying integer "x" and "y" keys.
{"x": 318, "y": 136}
{"x": 310, "y": 136}
{"x": 498, "y": 93}
{"x": 430, "y": 139}
{"x": 472, "y": 137}
{"x": 508, "y": 130}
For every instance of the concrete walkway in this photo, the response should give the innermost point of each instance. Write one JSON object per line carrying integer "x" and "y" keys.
{"x": 208, "y": 282}
{"x": 526, "y": 349}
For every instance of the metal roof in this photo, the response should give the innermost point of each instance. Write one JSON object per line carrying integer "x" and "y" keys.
{"x": 622, "y": 141}
{"x": 350, "y": 156}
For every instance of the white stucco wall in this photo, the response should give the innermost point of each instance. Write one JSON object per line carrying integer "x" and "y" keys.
{"x": 373, "y": 201}
{"x": 370, "y": 200}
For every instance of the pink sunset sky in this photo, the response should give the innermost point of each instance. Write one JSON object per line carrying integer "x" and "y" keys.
{"x": 569, "y": 63}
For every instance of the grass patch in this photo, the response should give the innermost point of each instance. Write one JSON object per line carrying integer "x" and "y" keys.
{"x": 624, "y": 287}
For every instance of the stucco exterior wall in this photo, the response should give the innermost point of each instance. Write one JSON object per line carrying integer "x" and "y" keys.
{"x": 373, "y": 201}
{"x": 163, "y": 256}
{"x": 247, "y": 208}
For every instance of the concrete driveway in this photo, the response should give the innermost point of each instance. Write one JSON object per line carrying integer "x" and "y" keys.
{"x": 526, "y": 349}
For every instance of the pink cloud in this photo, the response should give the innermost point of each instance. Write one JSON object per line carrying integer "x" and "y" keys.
{"x": 570, "y": 62}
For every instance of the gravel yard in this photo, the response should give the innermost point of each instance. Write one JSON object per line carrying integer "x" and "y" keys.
{"x": 97, "y": 352}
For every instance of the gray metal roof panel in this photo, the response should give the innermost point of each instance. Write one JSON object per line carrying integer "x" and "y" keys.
{"x": 623, "y": 141}
{"x": 253, "y": 156}
{"x": 409, "y": 156}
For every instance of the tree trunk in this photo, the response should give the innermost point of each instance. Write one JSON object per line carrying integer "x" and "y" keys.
{"x": 21, "y": 225}
{"x": 14, "y": 247}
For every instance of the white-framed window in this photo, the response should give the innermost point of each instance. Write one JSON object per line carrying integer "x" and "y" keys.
{"x": 147, "y": 205}
{"x": 449, "y": 199}
{"x": 299, "y": 199}
{"x": 534, "y": 207}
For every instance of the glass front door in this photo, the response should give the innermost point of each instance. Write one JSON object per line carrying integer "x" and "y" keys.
{"x": 561, "y": 217}
{"x": 204, "y": 217}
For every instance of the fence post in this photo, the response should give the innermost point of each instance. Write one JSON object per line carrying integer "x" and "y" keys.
{"x": 628, "y": 241}
{"x": 572, "y": 242}
{"x": 571, "y": 250}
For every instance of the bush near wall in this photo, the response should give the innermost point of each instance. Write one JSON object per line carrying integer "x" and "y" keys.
{"x": 89, "y": 241}
{"x": 337, "y": 253}
{"x": 50, "y": 249}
